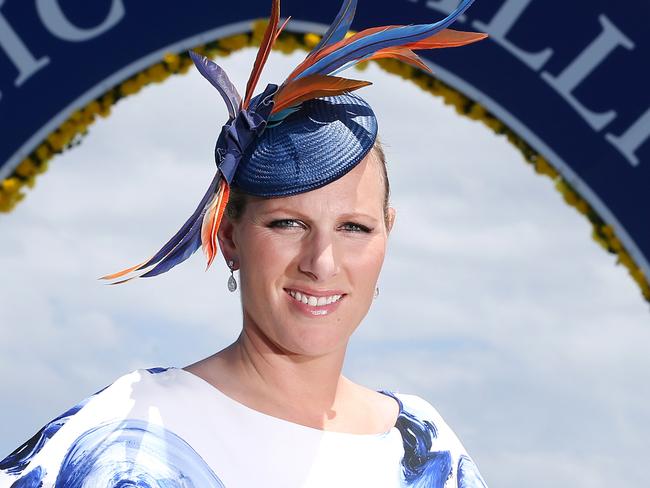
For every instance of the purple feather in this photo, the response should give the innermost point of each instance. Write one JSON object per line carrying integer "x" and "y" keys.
{"x": 217, "y": 76}
{"x": 361, "y": 48}
{"x": 181, "y": 246}
{"x": 186, "y": 247}
{"x": 340, "y": 26}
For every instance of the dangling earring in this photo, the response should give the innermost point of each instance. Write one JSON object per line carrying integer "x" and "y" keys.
{"x": 232, "y": 282}
{"x": 376, "y": 292}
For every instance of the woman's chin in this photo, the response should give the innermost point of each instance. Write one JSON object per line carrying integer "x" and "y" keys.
{"x": 301, "y": 334}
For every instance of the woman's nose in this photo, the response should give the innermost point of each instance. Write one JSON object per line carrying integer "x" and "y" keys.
{"x": 319, "y": 257}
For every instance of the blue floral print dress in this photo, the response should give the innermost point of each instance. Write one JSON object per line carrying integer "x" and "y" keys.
{"x": 167, "y": 428}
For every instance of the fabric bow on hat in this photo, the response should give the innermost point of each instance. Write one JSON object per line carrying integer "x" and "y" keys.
{"x": 312, "y": 78}
{"x": 240, "y": 132}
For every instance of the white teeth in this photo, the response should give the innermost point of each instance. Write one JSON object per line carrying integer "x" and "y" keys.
{"x": 314, "y": 301}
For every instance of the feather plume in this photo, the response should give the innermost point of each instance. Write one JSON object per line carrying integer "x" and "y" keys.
{"x": 263, "y": 52}
{"x": 180, "y": 247}
{"x": 340, "y": 26}
{"x": 314, "y": 86}
{"x": 365, "y": 44}
{"x": 315, "y": 56}
{"x": 443, "y": 39}
{"x": 217, "y": 77}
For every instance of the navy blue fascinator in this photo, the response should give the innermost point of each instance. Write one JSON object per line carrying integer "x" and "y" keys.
{"x": 300, "y": 135}
{"x": 312, "y": 147}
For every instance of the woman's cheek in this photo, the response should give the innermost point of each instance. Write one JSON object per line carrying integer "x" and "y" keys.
{"x": 370, "y": 260}
{"x": 264, "y": 246}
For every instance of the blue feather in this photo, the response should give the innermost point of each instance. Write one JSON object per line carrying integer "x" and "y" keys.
{"x": 278, "y": 117}
{"x": 218, "y": 78}
{"x": 186, "y": 247}
{"x": 340, "y": 26}
{"x": 347, "y": 65}
{"x": 365, "y": 46}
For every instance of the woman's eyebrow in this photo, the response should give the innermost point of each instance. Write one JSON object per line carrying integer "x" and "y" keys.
{"x": 288, "y": 210}
{"x": 355, "y": 215}
{"x": 294, "y": 211}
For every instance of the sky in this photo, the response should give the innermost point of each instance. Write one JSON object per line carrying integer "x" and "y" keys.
{"x": 496, "y": 305}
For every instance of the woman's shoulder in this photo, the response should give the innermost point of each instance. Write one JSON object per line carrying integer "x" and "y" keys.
{"x": 433, "y": 453}
{"x": 416, "y": 406}
{"x": 118, "y": 404}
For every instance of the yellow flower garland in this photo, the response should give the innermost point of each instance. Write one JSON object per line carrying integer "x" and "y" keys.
{"x": 76, "y": 126}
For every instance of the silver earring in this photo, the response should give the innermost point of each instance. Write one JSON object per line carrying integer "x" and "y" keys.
{"x": 376, "y": 292}
{"x": 232, "y": 282}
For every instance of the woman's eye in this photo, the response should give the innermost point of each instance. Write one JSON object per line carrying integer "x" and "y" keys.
{"x": 352, "y": 227}
{"x": 286, "y": 224}
{"x": 297, "y": 224}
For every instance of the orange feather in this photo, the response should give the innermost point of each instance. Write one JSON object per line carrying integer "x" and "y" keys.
{"x": 401, "y": 53}
{"x": 446, "y": 38}
{"x": 277, "y": 34}
{"x": 208, "y": 222}
{"x": 123, "y": 281}
{"x": 313, "y": 86}
{"x": 263, "y": 52}
{"x": 123, "y": 272}
{"x": 221, "y": 208}
{"x": 212, "y": 220}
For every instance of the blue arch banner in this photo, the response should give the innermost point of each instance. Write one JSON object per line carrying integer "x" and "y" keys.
{"x": 570, "y": 78}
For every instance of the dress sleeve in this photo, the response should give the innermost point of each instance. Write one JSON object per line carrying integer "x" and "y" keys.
{"x": 433, "y": 454}
{"x": 115, "y": 437}
{"x": 38, "y": 461}
{"x": 30, "y": 464}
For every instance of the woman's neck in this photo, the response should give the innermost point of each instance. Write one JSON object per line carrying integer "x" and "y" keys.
{"x": 254, "y": 371}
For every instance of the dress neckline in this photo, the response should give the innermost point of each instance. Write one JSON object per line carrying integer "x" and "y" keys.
{"x": 215, "y": 391}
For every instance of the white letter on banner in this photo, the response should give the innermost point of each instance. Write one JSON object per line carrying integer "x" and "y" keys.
{"x": 632, "y": 138}
{"x": 586, "y": 62}
{"x": 56, "y": 22}
{"x": 18, "y": 53}
{"x": 501, "y": 24}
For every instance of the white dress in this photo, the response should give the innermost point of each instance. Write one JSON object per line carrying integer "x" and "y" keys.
{"x": 167, "y": 428}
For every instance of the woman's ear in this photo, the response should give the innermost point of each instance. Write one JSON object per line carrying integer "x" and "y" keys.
{"x": 227, "y": 242}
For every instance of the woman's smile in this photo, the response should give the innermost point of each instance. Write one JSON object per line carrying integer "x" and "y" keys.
{"x": 314, "y": 303}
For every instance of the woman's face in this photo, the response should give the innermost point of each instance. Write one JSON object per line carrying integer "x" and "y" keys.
{"x": 309, "y": 263}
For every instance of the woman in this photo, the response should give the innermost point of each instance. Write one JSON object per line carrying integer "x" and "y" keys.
{"x": 299, "y": 205}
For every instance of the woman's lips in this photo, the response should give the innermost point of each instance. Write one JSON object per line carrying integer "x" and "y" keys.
{"x": 320, "y": 303}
